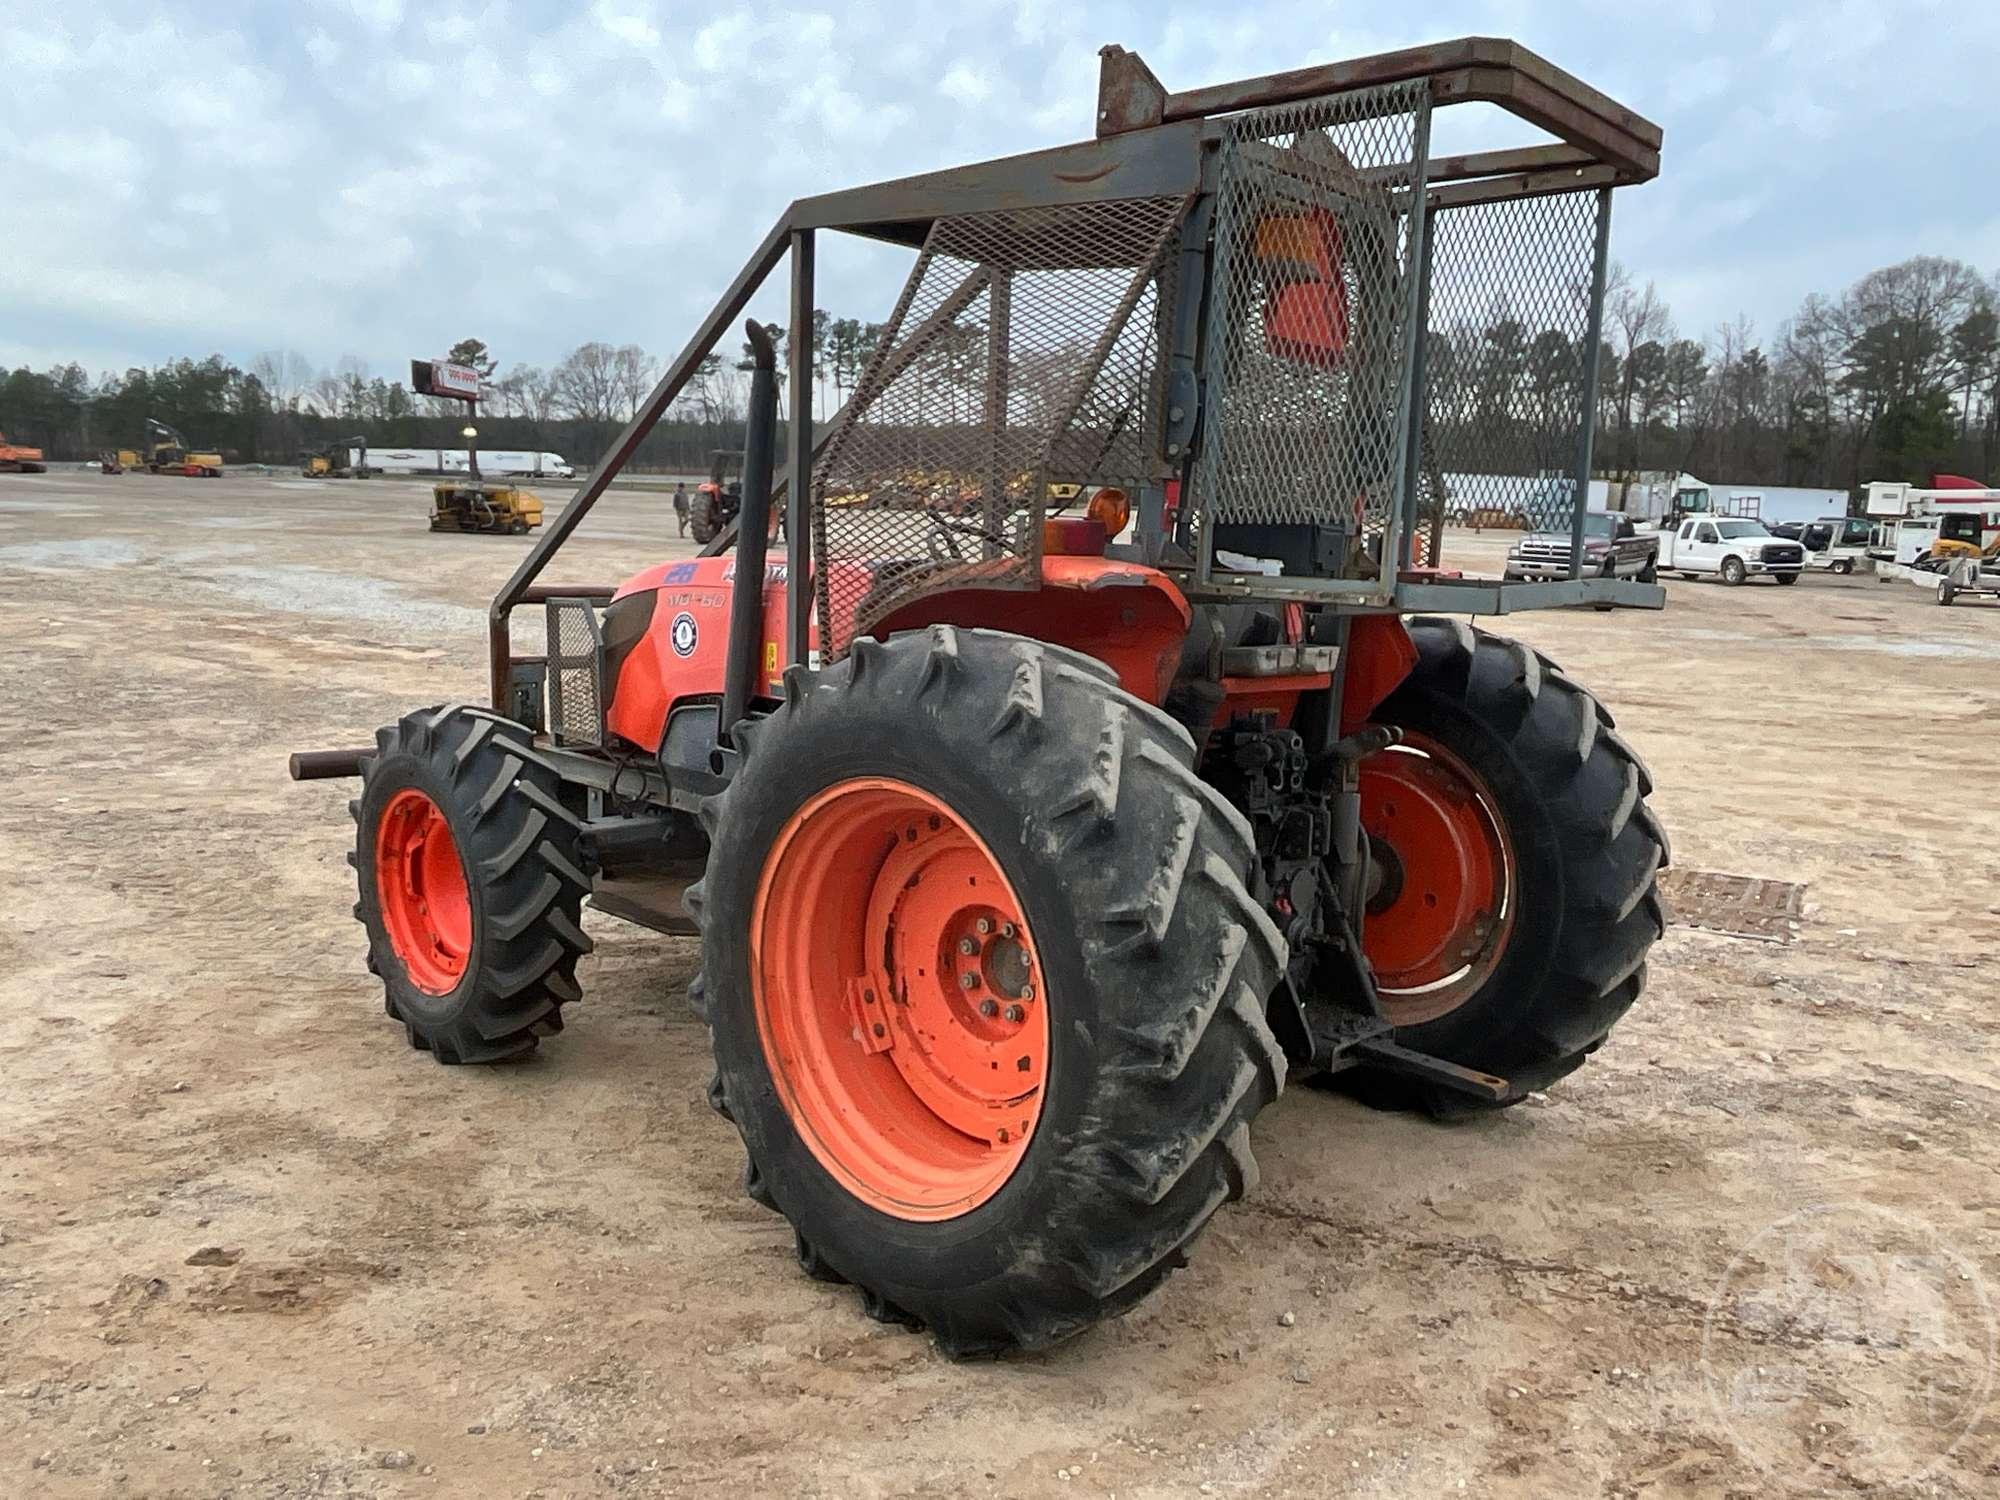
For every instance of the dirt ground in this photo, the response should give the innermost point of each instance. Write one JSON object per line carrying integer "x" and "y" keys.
{"x": 250, "y": 1244}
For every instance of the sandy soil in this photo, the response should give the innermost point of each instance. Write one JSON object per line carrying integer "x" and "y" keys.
{"x": 251, "y": 1244}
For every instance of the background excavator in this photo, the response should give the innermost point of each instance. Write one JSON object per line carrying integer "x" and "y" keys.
{"x": 15, "y": 459}
{"x": 167, "y": 453}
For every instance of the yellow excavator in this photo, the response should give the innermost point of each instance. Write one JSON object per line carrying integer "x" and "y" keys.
{"x": 167, "y": 453}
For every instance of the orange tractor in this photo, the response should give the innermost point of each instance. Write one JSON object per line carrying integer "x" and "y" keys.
{"x": 1031, "y": 853}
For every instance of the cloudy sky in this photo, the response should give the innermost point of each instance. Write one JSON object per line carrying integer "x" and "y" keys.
{"x": 369, "y": 178}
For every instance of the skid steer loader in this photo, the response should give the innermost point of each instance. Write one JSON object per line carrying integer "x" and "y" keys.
{"x": 1029, "y": 864}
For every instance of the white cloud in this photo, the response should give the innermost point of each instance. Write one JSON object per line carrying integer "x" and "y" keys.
{"x": 378, "y": 16}
{"x": 718, "y": 46}
{"x": 634, "y": 28}
{"x": 541, "y": 174}
{"x": 966, "y": 85}
{"x": 322, "y": 48}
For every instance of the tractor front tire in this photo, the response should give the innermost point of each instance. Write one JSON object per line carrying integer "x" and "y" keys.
{"x": 910, "y": 812}
{"x": 471, "y": 885}
{"x": 1565, "y": 799}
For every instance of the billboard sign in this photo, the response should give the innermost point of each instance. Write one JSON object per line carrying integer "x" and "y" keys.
{"x": 437, "y": 377}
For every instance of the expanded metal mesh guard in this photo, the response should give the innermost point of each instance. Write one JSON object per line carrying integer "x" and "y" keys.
{"x": 1022, "y": 355}
{"x": 1506, "y": 360}
{"x": 576, "y": 673}
{"x": 1306, "y": 345}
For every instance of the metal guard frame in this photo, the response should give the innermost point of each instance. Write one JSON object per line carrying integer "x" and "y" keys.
{"x": 1152, "y": 143}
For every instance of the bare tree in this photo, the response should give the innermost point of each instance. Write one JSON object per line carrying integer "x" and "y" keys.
{"x": 586, "y": 382}
{"x": 284, "y": 374}
{"x": 633, "y": 374}
{"x": 1633, "y": 318}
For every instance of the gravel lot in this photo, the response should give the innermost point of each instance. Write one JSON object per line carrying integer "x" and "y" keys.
{"x": 252, "y": 1244}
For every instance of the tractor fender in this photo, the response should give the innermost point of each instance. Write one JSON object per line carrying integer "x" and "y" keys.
{"x": 1127, "y": 615}
{"x": 667, "y": 629}
{"x": 1380, "y": 654}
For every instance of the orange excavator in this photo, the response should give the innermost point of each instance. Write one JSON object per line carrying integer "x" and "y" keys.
{"x": 15, "y": 459}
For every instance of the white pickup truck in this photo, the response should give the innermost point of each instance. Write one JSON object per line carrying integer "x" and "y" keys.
{"x": 1732, "y": 548}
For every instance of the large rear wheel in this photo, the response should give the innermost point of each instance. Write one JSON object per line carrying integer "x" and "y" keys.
{"x": 702, "y": 520}
{"x": 1517, "y": 902}
{"x": 470, "y": 884}
{"x": 986, "y": 989}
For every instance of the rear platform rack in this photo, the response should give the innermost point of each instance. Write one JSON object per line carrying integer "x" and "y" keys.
{"x": 1439, "y": 230}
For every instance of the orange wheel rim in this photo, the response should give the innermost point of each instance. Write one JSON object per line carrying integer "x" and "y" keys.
{"x": 1444, "y": 904}
{"x": 899, "y": 998}
{"x": 421, "y": 884}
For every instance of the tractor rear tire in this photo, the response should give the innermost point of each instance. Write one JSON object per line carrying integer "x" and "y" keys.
{"x": 1126, "y": 876}
{"x": 1569, "y": 795}
{"x": 471, "y": 884}
{"x": 701, "y": 519}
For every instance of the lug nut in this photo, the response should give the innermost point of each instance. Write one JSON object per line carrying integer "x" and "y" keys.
{"x": 968, "y": 980}
{"x": 1015, "y": 1013}
{"x": 1027, "y": 992}
{"x": 1006, "y": 929}
{"x": 989, "y": 1008}
{"x": 984, "y": 925}
{"x": 968, "y": 946}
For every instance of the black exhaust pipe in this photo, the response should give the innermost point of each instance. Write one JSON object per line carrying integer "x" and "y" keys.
{"x": 753, "y": 535}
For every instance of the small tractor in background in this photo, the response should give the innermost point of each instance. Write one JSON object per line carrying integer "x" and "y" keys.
{"x": 719, "y": 497}
{"x": 16, "y": 459}
{"x": 167, "y": 453}
{"x": 1031, "y": 857}
{"x": 343, "y": 458}
{"x": 484, "y": 505}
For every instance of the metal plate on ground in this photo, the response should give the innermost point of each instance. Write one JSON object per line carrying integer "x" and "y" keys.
{"x": 1740, "y": 905}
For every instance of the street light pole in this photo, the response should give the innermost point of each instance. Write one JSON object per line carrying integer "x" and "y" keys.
{"x": 471, "y": 435}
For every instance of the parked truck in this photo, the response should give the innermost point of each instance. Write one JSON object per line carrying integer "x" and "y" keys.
{"x": 521, "y": 463}
{"x": 1839, "y": 544}
{"x": 1734, "y": 549}
{"x": 1612, "y": 548}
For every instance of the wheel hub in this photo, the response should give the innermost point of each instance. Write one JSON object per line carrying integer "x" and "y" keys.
{"x": 899, "y": 998}
{"x": 1439, "y": 920}
{"x": 420, "y": 884}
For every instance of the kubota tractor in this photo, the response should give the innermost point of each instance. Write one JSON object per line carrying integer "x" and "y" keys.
{"x": 1031, "y": 853}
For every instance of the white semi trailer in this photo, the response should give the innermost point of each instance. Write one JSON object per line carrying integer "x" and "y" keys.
{"x": 497, "y": 463}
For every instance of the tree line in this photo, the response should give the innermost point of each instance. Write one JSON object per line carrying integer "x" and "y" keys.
{"x": 1896, "y": 377}
{"x": 280, "y": 406}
